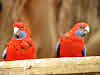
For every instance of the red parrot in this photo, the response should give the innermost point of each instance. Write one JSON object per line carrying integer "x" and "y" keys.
{"x": 21, "y": 45}
{"x": 71, "y": 44}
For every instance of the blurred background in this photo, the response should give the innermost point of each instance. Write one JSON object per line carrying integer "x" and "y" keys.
{"x": 48, "y": 20}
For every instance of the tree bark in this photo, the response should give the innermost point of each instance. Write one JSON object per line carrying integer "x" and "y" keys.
{"x": 48, "y": 30}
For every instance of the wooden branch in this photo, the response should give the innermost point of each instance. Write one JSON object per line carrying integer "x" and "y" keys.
{"x": 52, "y": 66}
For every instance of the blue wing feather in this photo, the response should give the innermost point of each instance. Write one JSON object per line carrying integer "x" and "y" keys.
{"x": 4, "y": 53}
{"x": 58, "y": 48}
{"x": 84, "y": 51}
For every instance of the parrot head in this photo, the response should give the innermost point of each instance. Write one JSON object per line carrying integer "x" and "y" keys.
{"x": 81, "y": 29}
{"x": 21, "y": 30}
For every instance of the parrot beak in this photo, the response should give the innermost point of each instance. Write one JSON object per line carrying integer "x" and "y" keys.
{"x": 16, "y": 30}
{"x": 87, "y": 29}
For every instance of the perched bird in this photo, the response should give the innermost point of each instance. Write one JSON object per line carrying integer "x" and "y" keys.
{"x": 71, "y": 44}
{"x": 21, "y": 45}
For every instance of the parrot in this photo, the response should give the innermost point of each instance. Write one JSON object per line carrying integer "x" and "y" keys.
{"x": 21, "y": 46}
{"x": 71, "y": 44}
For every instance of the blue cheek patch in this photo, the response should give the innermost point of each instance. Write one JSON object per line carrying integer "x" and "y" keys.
{"x": 22, "y": 34}
{"x": 79, "y": 33}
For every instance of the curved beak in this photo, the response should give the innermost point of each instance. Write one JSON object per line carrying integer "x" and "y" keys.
{"x": 16, "y": 30}
{"x": 87, "y": 29}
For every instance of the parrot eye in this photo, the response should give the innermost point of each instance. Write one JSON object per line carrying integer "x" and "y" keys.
{"x": 22, "y": 26}
{"x": 81, "y": 27}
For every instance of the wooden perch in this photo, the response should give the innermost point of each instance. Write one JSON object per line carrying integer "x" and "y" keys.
{"x": 51, "y": 66}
